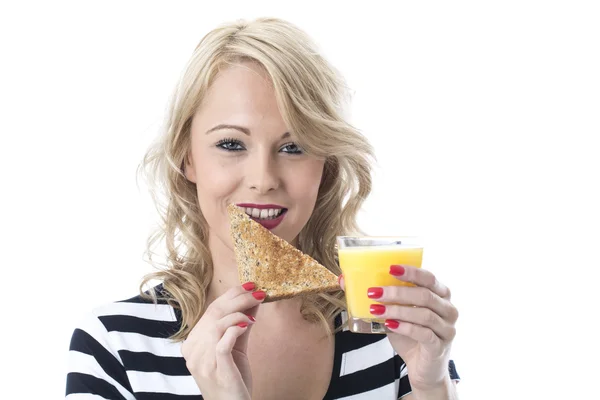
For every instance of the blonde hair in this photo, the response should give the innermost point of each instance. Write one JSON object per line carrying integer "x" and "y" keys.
{"x": 311, "y": 97}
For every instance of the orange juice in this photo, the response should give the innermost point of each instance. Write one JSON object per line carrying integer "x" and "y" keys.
{"x": 365, "y": 267}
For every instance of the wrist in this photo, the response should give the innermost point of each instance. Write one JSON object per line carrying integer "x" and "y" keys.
{"x": 446, "y": 390}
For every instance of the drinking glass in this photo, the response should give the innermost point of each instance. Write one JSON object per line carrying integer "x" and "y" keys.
{"x": 365, "y": 262}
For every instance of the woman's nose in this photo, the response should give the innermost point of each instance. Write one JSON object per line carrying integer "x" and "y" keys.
{"x": 262, "y": 174}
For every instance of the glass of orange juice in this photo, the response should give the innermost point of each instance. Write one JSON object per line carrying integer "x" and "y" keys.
{"x": 365, "y": 262}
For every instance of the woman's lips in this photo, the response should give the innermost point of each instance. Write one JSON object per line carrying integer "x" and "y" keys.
{"x": 271, "y": 223}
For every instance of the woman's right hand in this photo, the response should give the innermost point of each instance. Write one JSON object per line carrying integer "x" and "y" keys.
{"x": 215, "y": 350}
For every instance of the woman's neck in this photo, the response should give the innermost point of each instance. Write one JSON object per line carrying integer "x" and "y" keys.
{"x": 225, "y": 273}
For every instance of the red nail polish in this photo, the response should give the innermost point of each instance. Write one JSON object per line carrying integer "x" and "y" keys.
{"x": 377, "y": 309}
{"x": 340, "y": 279}
{"x": 242, "y": 324}
{"x": 249, "y": 286}
{"x": 375, "y": 292}
{"x": 392, "y": 323}
{"x": 251, "y": 318}
{"x": 259, "y": 295}
{"x": 397, "y": 270}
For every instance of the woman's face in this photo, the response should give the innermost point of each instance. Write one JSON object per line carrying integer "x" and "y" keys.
{"x": 243, "y": 153}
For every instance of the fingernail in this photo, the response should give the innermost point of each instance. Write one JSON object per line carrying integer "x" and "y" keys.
{"x": 375, "y": 292}
{"x": 249, "y": 286}
{"x": 242, "y": 324}
{"x": 397, "y": 270}
{"x": 259, "y": 295}
{"x": 340, "y": 279}
{"x": 377, "y": 309}
{"x": 251, "y": 318}
{"x": 392, "y": 323}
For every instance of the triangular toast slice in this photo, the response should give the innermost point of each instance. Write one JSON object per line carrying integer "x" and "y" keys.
{"x": 275, "y": 266}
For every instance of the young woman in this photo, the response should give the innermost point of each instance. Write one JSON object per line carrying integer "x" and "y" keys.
{"x": 257, "y": 120}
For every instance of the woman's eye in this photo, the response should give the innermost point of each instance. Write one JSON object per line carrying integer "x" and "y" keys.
{"x": 230, "y": 145}
{"x": 291, "y": 148}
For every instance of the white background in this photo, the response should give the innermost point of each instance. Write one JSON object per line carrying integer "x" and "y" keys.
{"x": 484, "y": 116}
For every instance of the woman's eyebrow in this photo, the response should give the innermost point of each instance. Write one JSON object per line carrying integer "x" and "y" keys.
{"x": 226, "y": 126}
{"x": 242, "y": 129}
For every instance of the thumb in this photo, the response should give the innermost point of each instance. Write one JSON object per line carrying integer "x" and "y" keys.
{"x": 341, "y": 282}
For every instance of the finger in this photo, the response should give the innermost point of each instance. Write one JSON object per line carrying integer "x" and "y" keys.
{"x": 420, "y": 277}
{"x": 416, "y": 332}
{"x": 251, "y": 312}
{"x": 225, "y": 363}
{"x": 443, "y": 308}
{"x": 416, "y": 296}
{"x": 244, "y": 301}
{"x": 237, "y": 290}
{"x": 233, "y": 319}
{"x": 238, "y": 298}
{"x": 418, "y": 316}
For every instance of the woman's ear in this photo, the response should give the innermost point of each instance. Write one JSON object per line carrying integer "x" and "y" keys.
{"x": 187, "y": 167}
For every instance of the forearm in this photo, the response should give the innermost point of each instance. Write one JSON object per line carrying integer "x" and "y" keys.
{"x": 446, "y": 391}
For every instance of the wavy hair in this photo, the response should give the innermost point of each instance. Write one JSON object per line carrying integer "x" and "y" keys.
{"x": 311, "y": 96}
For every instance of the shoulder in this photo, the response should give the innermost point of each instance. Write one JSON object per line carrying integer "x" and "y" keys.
{"x": 108, "y": 339}
{"x": 99, "y": 346}
{"x": 139, "y": 314}
{"x": 137, "y": 317}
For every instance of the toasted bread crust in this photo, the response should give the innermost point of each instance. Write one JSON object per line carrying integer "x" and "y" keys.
{"x": 275, "y": 266}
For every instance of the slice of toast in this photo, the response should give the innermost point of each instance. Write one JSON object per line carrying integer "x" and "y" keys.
{"x": 274, "y": 265}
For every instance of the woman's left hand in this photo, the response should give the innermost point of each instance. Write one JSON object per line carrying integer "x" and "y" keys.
{"x": 420, "y": 321}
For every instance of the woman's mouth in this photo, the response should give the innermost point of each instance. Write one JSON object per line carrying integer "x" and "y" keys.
{"x": 269, "y": 216}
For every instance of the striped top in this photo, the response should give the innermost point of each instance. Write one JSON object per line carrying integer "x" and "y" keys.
{"x": 122, "y": 351}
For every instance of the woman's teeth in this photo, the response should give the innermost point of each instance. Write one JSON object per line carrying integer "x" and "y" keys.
{"x": 270, "y": 213}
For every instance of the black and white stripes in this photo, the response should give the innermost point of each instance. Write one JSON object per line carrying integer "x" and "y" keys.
{"x": 122, "y": 351}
